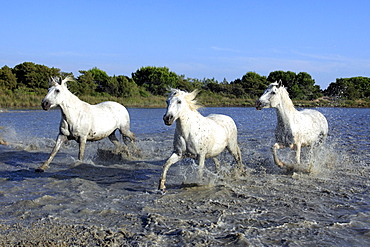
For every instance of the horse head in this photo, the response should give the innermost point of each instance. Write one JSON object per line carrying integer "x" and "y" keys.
{"x": 268, "y": 98}
{"x": 55, "y": 93}
{"x": 177, "y": 101}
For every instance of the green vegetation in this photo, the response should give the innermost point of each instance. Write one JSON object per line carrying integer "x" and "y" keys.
{"x": 26, "y": 84}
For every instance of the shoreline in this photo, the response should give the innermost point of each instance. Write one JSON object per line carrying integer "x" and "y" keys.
{"x": 32, "y": 102}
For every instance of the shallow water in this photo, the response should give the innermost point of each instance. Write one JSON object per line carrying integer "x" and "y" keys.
{"x": 111, "y": 200}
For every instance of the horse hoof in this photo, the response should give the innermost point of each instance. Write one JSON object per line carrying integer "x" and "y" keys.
{"x": 281, "y": 165}
{"x": 77, "y": 163}
{"x": 289, "y": 168}
{"x": 162, "y": 191}
{"x": 39, "y": 170}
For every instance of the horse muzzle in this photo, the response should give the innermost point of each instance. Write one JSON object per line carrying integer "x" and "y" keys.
{"x": 168, "y": 119}
{"x": 259, "y": 105}
{"x": 45, "y": 105}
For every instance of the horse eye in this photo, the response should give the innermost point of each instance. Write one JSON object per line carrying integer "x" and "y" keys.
{"x": 57, "y": 90}
{"x": 273, "y": 92}
{"x": 179, "y": 102}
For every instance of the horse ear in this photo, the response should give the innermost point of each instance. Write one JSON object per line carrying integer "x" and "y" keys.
{"x": 52, "y": 81}
{"x": 67, "y": 79}
{"x": 280, "y": 83}
{"x": 60, "y": 80}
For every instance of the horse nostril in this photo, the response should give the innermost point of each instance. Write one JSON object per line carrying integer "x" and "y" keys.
{"x": 167, "y": 119}
{"x": 45, "y": 105}
{"x": 258, "y": 105}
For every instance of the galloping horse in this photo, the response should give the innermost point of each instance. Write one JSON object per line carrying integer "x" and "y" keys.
{"x": 196, "y": 136}
{"x": 295, "y": 129}
{"x": 84, "y": 122}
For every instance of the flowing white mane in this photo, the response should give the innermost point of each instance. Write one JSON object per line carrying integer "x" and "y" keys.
{"x": 67, "y": 79}
{"x": 189, "y": 97}
{"x": 284, "y": 94}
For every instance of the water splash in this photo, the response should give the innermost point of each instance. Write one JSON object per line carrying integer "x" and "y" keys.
{"x": 104, "y": 201}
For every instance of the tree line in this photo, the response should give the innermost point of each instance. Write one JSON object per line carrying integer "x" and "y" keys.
{"x": 31, "y": 78}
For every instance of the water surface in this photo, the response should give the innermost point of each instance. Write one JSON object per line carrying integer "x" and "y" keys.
{"x": 110, "y": 199}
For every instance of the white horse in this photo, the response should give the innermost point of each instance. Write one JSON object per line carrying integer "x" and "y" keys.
{"x": 196, "y": 136}
{"x": 295, "y": 129}
{"x": 84, "y": 122}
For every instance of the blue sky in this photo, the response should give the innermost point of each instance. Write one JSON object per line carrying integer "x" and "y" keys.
{"x": 199, "y": 39}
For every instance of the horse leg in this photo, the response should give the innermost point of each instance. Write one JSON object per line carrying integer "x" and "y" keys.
{"x": 274, "y": 153}
{"x": 201, "y": 161}
{"x": 113, "y": 138}
{"x": 60, "y": 140}
{"x": 2, "y": 142}
{"x": 127, "y": 134}
{"x": 298, "y": 153}
{"x": 217, "y": 164}
{"x": 310, "y": 155}
{"x": 173, "y": 159}
{"x": 81, "y": 151}
{"x": 235, "y": 151}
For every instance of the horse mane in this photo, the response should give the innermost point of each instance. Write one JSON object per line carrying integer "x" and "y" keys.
{"x": 63, "y": 83}
{"x": 285, "y": 96}
{"x": 189, "y": 97}
{"x": 284, "y": 91}
{"x": 67, "y": 79}
{"x": 59, "y": 80}
{"x": 274, "y": 84}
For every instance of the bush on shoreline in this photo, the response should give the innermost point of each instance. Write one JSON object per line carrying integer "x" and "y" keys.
{"x": 26, "y": 84}
{"x": 30, "y": 101}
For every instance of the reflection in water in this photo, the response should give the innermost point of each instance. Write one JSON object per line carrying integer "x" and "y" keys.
{"x": 110, "y": 199}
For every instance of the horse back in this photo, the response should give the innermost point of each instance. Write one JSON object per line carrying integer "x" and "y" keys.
{"x": 108, "y": 116}
{"x": 111, "y": 105}
{"x": 317, "y": 119}
{"x": 315, "y": 128}
{"x": 110, "y": 109}
{"x": 226, "y": 122}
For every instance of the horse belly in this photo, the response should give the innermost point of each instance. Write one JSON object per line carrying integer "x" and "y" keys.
{"x": 108, "y": 116}
{"x": 313, "y": 126}
{"x": 96, "y": 136}
{"x": 217, "y": 142}
{"x": 100, "y": 130}
{"x": 216, "y": 149}
{"x": 202, "y": 142}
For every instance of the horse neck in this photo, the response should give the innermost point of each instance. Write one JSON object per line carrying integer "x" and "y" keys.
{"x": 285, "y": 109}
{"x": 71, "y": 105}
{"x": 187, "y": 120}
